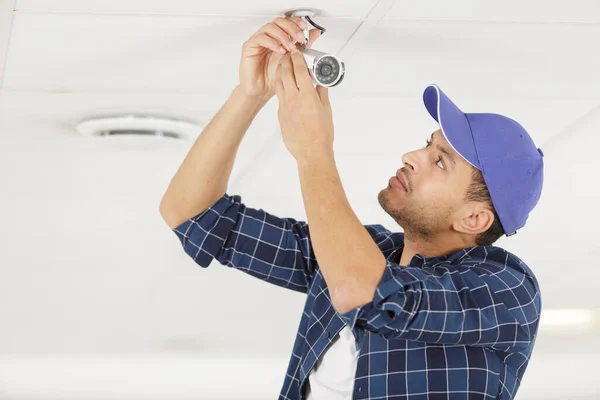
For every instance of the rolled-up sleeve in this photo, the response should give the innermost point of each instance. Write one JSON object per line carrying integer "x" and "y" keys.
{"x": 277, "y": 250}
{"x": 482, "y": 304}
{"x": 203, "y": 236}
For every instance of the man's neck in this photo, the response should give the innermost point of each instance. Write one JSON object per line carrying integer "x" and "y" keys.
{"x": 434, "y": 247}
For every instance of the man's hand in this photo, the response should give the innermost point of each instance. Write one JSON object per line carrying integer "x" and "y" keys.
{"x": 262, "y": 53}
{"x": 305, "y": 113}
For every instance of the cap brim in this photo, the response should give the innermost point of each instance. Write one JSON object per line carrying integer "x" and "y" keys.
{"x": 453, "y": 123}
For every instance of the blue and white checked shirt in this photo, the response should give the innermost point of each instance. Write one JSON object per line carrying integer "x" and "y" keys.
{"x": 460, "y": 326}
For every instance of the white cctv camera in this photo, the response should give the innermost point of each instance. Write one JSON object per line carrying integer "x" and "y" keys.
{"x": 325, "y": 69}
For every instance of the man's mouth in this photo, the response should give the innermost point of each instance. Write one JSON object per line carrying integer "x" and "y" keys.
{"x": 399, "y": 182}
{"x": 402, "y": 180}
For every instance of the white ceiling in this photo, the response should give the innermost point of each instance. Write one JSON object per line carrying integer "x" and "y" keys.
{"x": 88, "y": 265}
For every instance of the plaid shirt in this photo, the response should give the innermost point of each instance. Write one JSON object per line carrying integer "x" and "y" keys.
{"x": 460, "y": 326}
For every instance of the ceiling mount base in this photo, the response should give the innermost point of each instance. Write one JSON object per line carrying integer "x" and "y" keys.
{"x": 303, "y": 12}
{"x": 306, "y": 14}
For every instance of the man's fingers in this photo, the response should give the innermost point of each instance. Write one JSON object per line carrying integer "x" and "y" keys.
{"x": 267, "y": 41}
{"x": 313, "y": 35}
{"x": 287, "y": 75}
{"x": 302, "y": 24}
{"x": 324, "y": 95}
{"x": 286, "y": 30}
{"x": 275, "y": 31}
{"x": 278, "y": 82}
{"x": 301, "y": 72}
{"x": 291, "y": 27}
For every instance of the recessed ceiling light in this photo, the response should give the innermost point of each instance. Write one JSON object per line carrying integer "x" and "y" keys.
{"x": 140, "y": 125}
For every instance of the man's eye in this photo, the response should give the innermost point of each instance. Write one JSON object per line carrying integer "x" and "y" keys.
{"x": 442, "y": 164}
{"x": 428, "y": 143}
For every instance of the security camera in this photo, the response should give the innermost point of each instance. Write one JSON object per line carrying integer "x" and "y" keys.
{"x": 325, "y": 69}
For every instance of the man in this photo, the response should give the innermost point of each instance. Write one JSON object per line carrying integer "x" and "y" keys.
{"x": 433, "y": 312}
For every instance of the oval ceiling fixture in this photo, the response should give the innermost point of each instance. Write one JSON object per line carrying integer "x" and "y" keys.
{"x": 139, "y": 125}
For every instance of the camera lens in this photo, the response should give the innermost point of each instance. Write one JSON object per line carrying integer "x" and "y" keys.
{"x": 326, "y": 69}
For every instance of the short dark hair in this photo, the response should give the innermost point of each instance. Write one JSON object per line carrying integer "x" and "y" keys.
{"x": 478, "y": 191}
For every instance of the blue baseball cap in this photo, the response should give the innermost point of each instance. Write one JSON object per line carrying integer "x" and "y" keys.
{"x": 511, "y": 164}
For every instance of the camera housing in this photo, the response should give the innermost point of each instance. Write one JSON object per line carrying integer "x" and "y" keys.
{"x": 325, "y": 69}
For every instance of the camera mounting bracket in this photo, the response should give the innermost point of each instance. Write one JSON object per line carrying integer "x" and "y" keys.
{"x": 306, "y": 14}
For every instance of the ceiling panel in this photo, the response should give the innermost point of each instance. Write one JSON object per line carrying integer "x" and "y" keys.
{"x": 584, "y": 11}
{"x": 337, "y": 8}
{"x": 6, "y": 17}
{"x": 65, "y": 109}
{"x": 542, "y": 61}
{"x": 30, "y": 120}
{"x": 67, "y": 53}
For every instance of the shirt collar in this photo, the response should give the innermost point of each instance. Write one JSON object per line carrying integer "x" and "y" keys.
{"x": 420, "y": 261}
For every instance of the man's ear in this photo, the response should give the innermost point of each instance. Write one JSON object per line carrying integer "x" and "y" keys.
{"x": 475, "y": 219}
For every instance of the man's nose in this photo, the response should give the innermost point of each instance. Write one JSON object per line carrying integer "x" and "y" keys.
{"x": 411, "y": 163}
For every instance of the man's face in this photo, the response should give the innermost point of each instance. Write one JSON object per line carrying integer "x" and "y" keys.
{"x": 434, "y": 182}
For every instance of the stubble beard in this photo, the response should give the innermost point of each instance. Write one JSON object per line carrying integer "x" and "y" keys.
{"x": 414, "y": 219}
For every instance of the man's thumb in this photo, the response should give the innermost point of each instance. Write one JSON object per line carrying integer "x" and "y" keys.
{"x": 313, "y": 34}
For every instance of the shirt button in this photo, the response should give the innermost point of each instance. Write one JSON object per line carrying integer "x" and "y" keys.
{"x": 328, "y": 334}
{"x": 359, "y": 389}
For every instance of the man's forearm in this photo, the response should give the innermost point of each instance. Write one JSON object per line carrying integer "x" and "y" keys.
{"x": 349, "y": 259}
{"x": 204, "y": 173}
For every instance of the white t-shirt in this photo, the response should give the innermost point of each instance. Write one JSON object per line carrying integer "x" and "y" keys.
{"x": 332, "y": 377}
